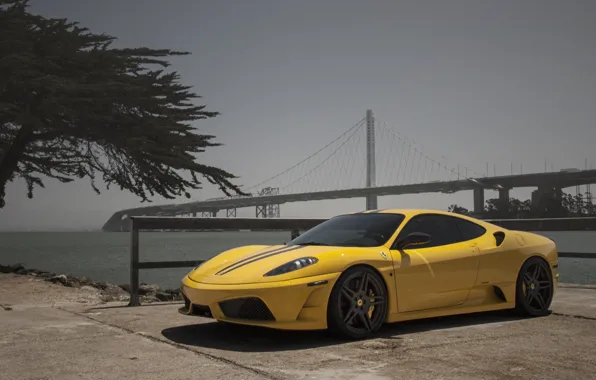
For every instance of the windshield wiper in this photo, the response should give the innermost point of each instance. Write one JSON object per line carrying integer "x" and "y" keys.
{"x": 312, "y": 243}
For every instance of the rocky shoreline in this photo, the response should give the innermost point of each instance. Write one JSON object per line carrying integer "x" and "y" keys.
{"x": 109, "y": 292}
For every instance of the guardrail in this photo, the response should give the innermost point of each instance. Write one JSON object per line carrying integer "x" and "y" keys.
{"x": 152, "y": 223}
{"x": 174, "y": 223}
{"x": 547, "y": 224}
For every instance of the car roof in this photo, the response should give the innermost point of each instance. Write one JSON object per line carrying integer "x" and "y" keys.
{"x": 416, "y": 211}
{"x": 405, "y": 211}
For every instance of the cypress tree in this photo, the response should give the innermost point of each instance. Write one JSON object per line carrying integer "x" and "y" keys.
{"x": 72, "y": 106}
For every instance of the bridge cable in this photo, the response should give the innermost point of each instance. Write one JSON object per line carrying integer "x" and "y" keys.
{"x": 410, "y": 146}
{"x": 359, "y": 124}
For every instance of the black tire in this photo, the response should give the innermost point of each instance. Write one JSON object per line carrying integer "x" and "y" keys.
{"x": 350, "y": 313}
{"x": 534, "y": 288}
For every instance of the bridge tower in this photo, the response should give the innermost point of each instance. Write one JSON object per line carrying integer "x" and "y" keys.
{"x": 371, "y": 200}
{"x": 268, "y": 210}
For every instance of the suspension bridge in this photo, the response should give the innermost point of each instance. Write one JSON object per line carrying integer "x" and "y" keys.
{"x": 368, "y": 160}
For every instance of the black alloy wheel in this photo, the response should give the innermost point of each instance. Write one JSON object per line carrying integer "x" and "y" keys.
{"x": 358, "y": 304}
{"x": 534, "y": 290}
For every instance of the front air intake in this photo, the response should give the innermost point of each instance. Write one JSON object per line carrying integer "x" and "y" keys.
{"x": 246, "y": 308}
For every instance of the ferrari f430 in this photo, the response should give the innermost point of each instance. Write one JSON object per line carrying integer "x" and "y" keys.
{"x": 355, "y": 272}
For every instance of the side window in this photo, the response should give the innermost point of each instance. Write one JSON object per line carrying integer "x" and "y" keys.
{"x": 470, "y": 230}
{"x": 442, "y": 229}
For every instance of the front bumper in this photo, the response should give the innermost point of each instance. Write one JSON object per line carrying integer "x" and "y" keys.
{"x": 299, "y": 304}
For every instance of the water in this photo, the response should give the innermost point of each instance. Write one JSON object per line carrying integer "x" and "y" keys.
{"x": 105, "y": 256}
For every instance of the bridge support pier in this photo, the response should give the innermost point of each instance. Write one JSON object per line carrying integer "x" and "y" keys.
{"x": 478, "y": 200}
{"x": 192, "y": 212}
{"x": 504, "y": 195}
{"x": 209, "y": 214}
{"x": 231, "y": 213}
{"x": 371, "y": 202}
{"x": 267, "y": 211}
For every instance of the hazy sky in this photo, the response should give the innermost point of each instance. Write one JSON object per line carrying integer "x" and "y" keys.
{"x": 472, "y": 81}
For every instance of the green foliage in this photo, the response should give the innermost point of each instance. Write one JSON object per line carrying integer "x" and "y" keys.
{"x": 496, "y": 208}
{"x": 546, "y": 207}
{"x": 72, "y": 106}
{"x": 459, "y": 210}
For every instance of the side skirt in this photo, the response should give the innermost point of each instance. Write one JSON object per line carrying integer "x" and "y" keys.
{"x": 485, "y": 297}
{"x": 443, "y": 312}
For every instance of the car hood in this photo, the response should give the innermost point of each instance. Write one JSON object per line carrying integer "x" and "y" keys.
{"x": 248, "y": 264}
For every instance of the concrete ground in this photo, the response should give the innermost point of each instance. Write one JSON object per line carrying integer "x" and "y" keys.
{"x": 43, "y": 338}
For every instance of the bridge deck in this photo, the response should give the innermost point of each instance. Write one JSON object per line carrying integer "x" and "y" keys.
{"x": 71, "y": 341}
{"x": 554, "y": 179}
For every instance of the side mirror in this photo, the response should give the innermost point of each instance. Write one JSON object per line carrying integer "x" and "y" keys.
{"x": 413, "y": 239}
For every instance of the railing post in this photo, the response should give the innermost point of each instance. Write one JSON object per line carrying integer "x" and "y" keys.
{"x": 134, "y": 263}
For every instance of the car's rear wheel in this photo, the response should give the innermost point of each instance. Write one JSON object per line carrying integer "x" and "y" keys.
{"x": 534, "y": 291}
{"x": 358, "y": 303}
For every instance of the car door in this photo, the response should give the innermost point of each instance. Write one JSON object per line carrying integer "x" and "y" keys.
{"x": 440, "y": 273}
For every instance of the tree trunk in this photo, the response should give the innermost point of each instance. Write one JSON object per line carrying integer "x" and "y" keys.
{"x": 10, "y": 161}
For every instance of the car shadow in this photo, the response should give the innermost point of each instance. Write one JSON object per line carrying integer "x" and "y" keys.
{"x": 230, "y": 337}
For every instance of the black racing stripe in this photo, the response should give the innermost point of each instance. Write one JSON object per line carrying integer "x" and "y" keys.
{"x": 252, "y": 257}
{"x": 262, "y": 257}
{"x": 261, "y": 252}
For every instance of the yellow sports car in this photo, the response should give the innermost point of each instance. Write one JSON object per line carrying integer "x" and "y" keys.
{"x": 354, "y": 272}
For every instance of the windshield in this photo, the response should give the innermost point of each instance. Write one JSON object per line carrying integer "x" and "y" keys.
{"x": 353, "y": 230}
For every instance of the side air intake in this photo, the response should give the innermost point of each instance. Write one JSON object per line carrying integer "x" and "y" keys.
{"x": 499, "y": 237}
{"x": 499, "y": 293}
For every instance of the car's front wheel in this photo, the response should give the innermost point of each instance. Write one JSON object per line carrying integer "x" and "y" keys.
{"x": 534, "y": 292}
{"x": 358, "y": 303}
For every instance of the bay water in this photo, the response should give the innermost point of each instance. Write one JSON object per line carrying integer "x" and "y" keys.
{"x": 104, "y": 256}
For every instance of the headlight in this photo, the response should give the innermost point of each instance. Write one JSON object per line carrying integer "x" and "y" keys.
{"x": 292, "y": 266}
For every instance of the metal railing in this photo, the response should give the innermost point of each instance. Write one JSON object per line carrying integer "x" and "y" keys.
{"x": 149, "y": 223}
{"x": 201, "y": 224}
